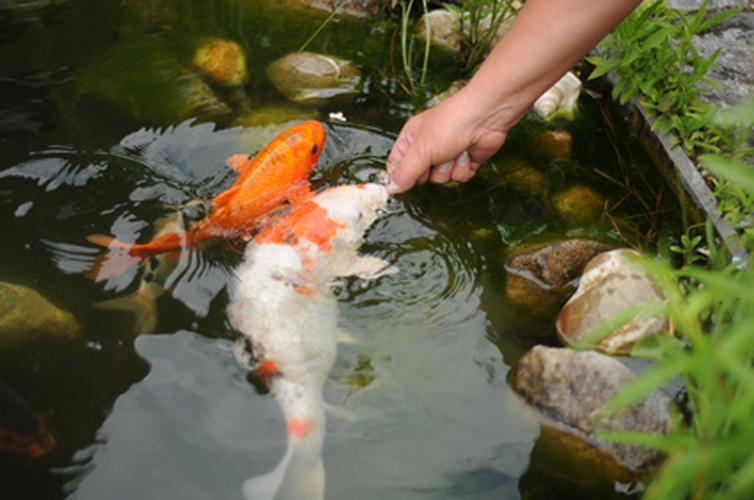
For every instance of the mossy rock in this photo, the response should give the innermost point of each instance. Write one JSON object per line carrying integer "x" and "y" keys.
{"x": 314, "y": 79}
{"x": 26, "y": 315}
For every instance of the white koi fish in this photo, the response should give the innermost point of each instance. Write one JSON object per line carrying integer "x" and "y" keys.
{"x": 283, "y": 303}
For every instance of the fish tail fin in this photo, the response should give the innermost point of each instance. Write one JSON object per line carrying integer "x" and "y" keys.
{"x": 266, "y": 486}
{"x": 143, "y": 308}
{"x": 289, "y": 480}
{"x": 120, "y": 257}
{"x": 113, "y": 261}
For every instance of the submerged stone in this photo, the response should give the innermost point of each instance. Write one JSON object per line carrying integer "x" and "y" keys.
{"x": 553, "y": 143}
{"x": 354, "y": 8}
{"x": 569, "y": 388}
{"x": 268, "y": 115}
{"x": 142, "y": 76}
{"x": 578, "y": 205}
{"x": 311, "y": 78}
{"x": 441, "y": 27}
{"x": 26, "y": 315}
{"x": 223, "y": 62}
{"x": 537, "y": 277}
{"x": 612, "y": 282}
{"x": 518, "y": 175}
{"x": 452, "y": 89}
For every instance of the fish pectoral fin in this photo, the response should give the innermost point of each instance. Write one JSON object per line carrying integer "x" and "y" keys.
{"x": 224, "y": 198}
{"x": 345, "y": 337}
{"x": 366, "y": 267}
{"x": 340, "y": 413}
{"x": 238, "y": 162}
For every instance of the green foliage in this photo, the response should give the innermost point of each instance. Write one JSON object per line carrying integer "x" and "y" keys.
{"x": 481, "y": 20}
{"x": 652, "y": 54}
{"x": 712, "y": 308}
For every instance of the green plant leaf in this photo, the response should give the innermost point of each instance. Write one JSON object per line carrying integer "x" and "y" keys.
{"x": 732, "y": 170}
{"x": 604, "y": 68}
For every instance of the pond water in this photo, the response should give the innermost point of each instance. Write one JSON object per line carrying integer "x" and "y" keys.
{"x": 97, "y": 138}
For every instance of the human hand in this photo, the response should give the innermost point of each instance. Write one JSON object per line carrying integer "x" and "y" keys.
{"x": 446, "y": 142}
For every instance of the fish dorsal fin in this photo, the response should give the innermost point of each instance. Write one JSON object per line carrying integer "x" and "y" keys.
{"x": 239, "y": 162}
{"x": 224, "y": 198}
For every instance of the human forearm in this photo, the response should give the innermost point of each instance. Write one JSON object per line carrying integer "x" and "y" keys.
{"x": 452, "y": 139}
{"x": 546, "y": 40}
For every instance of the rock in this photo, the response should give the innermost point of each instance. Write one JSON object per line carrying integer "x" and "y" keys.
{"x": 145, "y": 16}
{"x": 354, "y": 8}
{"x": 269, "y": 115}
{"x": 578, "y": 205}
{"x": 516, "y": 174}
{"x": 223, "y": 62}
{"x": 556, "y": 264}
{"x": 26, "y": 315}
{"x": 568, "y": 389}
{"x": 538, "y": 277}
{"x": 612, "y": 282}
{"x": 553, "y": 143}
{"x": 311, "y": 78}
{"x": 561, "y": 99}
{"x": 142, "y": 76}
{"x": 437, "y": 99}
{"x": 444, "y": 28}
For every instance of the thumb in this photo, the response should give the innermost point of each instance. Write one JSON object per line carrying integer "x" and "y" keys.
{"x": 405, "y": 165}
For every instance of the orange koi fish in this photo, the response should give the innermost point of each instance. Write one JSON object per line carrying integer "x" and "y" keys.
{"x": 278, "y": 174}
{"x": 22, "y": 431}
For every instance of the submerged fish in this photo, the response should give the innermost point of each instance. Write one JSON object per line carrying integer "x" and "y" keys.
{"x": 278, "y": 174}
{"x": 156, "y": 270}
{"x": 282, "y": 301}
{"x": 22, "y": 431}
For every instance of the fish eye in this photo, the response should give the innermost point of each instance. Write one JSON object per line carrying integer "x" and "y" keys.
{"x": 314, "y": 148}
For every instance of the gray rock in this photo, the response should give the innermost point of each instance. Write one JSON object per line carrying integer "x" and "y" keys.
{"x": 310, "y": 78}
{"x": 569, "y": 388}
{"x": 441, "y": 27}
{"x": 354, "y": 8}
{"x": 26, "y": 315}
{"x": 611, "y": 283}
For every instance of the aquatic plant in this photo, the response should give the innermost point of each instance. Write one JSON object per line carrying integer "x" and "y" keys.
{"x": 481, "y": 22}
{"x": 407, "y": 44}
{"x": 709, "y": 453}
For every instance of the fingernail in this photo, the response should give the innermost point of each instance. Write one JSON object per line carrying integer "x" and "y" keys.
{"x": 383, "y": 177}
{"x": 392, "y": 187}
{"x": 445, "y": 167}
{"x": 464, "y": 160}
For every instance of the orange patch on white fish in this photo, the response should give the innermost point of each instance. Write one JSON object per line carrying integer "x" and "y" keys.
{"x": 309, "y": 222}
{"x": 300, "y": 427}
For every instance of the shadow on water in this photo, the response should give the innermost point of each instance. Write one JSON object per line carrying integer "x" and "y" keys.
{"x": 102, "y": 134}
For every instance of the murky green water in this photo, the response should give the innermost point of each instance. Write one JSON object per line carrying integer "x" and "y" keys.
{"x": 96, "y": 138}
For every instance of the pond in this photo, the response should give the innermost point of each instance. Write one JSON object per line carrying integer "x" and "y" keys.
{"x": 101, "y": 134}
